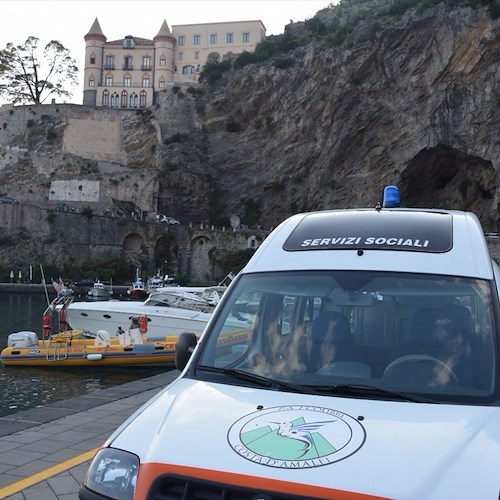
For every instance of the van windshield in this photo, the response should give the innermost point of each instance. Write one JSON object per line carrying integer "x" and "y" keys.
{"x": 413, "y": 333}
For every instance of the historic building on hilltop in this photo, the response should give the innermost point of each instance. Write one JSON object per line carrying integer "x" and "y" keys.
{"x": 129, "y": 73}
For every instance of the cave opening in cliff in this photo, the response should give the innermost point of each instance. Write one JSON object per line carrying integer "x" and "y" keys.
{"x": 444, "y": 177}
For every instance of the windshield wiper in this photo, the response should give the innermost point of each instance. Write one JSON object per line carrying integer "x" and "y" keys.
{"x": 364, "y": 390}
{"x": 261, "y": 380}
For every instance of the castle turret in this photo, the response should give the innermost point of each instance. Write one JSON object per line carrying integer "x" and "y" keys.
{"x": 164, "y": 57}
{"x": 94, "y": 54}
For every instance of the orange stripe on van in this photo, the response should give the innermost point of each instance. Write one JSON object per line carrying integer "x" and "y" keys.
{"x": 148, "y": 472}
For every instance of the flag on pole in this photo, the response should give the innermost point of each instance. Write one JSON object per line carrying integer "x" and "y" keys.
{"x": 58, "y": 286}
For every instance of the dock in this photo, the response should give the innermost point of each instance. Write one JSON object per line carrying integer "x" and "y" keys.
{"x": 33, "y": 288}
{"x": 45, "y": 452}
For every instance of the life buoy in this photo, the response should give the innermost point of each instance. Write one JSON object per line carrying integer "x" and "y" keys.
{"x": 143, "y": 323}
{"x": 63, "y": 323}
{"x": 46, "y": 324}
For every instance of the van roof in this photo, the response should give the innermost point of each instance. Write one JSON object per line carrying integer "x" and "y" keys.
{"x": 397, "y": 239}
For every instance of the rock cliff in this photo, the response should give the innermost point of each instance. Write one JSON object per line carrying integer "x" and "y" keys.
{"x": 374, "y": 96}
{"x": 416, "y": 104}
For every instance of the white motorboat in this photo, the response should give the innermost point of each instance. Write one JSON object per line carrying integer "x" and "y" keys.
{"x": 154, "y": 283}
{"x": 164, "y": 319}
{"x": 190, "y": 297}
{"x": 100, "y": 290}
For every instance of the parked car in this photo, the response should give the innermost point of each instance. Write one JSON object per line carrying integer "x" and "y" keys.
{"x": 166, "y": 220}
{"x": 8, "y": 199}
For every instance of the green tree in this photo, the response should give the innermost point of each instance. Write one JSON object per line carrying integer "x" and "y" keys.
{"x": 26, "y": 76}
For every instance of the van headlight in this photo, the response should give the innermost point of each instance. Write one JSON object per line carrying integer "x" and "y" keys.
{"x": 113, "y": 473}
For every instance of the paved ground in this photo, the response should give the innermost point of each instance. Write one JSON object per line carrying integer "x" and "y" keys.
{"x": 45, "y": 452}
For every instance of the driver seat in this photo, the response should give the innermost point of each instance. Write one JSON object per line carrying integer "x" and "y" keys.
{"x": 430, "y": 336}
{"x": 332, "y": 341}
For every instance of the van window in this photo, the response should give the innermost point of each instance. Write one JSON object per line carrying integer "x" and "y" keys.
{"x": 413, "y": 333}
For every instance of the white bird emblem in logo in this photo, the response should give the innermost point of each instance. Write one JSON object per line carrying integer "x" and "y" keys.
{"x": 300, "y": 432}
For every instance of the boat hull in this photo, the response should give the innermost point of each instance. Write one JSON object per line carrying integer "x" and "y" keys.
{"x": 82, "y": 352}
{"x": 110, "y": 315}
{"x": 138, "y": 294}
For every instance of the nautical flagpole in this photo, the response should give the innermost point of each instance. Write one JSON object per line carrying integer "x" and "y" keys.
{"x": 45, "y": 285}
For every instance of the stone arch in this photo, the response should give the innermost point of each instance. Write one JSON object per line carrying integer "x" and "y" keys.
{"x": 134, "y": 249}
{"x": 252, "y": 242}
{"x": 201, "y": 266}
{"x": 444, "y": 177}
{"x": 166, "y": 256}
{"x": 213, "y": 57}
{"x": 229, "y": 56}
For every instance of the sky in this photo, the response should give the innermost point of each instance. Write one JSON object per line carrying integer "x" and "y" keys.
{"x": 68, "y": 21}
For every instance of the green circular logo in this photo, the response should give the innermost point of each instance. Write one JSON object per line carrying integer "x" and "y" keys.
{"x": 294, "y": 437}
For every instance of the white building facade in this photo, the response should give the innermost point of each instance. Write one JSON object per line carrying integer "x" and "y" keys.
{"x": 130, "y": 72}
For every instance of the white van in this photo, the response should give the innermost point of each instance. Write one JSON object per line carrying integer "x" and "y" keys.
{"x": 368, "y": 369}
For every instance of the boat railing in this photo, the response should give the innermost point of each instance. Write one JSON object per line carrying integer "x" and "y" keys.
{"x": 56, "y": 352}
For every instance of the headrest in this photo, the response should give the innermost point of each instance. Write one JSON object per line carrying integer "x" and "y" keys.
{"x": 331, "y": 323}
{"x": 459, "y": 316}
{"x": 429, "y": 325}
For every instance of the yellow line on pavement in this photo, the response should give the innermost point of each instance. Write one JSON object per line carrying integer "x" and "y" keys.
{"x": 18, "y": 486}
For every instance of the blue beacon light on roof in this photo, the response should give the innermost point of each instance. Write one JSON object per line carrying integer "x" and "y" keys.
{"x": 391, "y": 197}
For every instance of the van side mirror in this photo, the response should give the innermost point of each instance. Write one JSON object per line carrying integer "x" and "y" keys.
{"x": 186, "y": 342}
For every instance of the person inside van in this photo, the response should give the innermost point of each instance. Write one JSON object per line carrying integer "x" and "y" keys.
{"x": 433, "y": 354}
{"x": 332, "y": 341}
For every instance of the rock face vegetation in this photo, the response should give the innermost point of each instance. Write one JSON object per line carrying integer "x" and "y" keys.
{"x": 364, "y": 94}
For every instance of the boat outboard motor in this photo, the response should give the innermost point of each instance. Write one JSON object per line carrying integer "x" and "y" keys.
{"x": 102, "y": 337}
{"x": 22, "y": 339}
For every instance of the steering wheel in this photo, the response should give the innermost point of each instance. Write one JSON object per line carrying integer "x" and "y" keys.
{"x": 421, "y": 364}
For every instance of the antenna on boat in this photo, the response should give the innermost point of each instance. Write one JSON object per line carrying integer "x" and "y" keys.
{"x": 45, "y": 285}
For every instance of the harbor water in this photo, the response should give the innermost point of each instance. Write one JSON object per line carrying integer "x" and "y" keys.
{"x": 22, "y": 388}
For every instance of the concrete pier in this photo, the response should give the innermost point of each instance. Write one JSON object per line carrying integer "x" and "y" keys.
{"x": 45, "y": 452}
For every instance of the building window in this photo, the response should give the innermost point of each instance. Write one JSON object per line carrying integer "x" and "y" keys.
{"x": 162, "y": 84}
{"x": 109, "y": 62}
{"x": 186, "y": 70}
{"x": 196, "y": 39}
{"x": 127, "y": 62}
{"x": 246, "y": 37}
{"x": 91, "y": 82}
{"x": 229, "y": 37}
{"x": 124, "y": 99}
{"x": 181, "y": 40}
{"x": 213, "y": 39}
{"x": 108, "y": 81}
{"x": 105, "y": 98}
{"x": 145, "y": 82}
{"x": 146, "y": 63}
{"x": 196, "y": 55}
{"x": 126, "y": 81}
{"x": 133, "y": 100}
{"x": 129, "y": 43}
{"x": 180, "y": 56}
{"x": 92, "y": 59}
{"x": 114, "y": 100}
{"x": 163, "y": 61}
{"x": 142, "y": 99}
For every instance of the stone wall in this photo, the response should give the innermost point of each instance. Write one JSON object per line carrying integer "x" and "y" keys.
{"x": 31, "y": 235}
